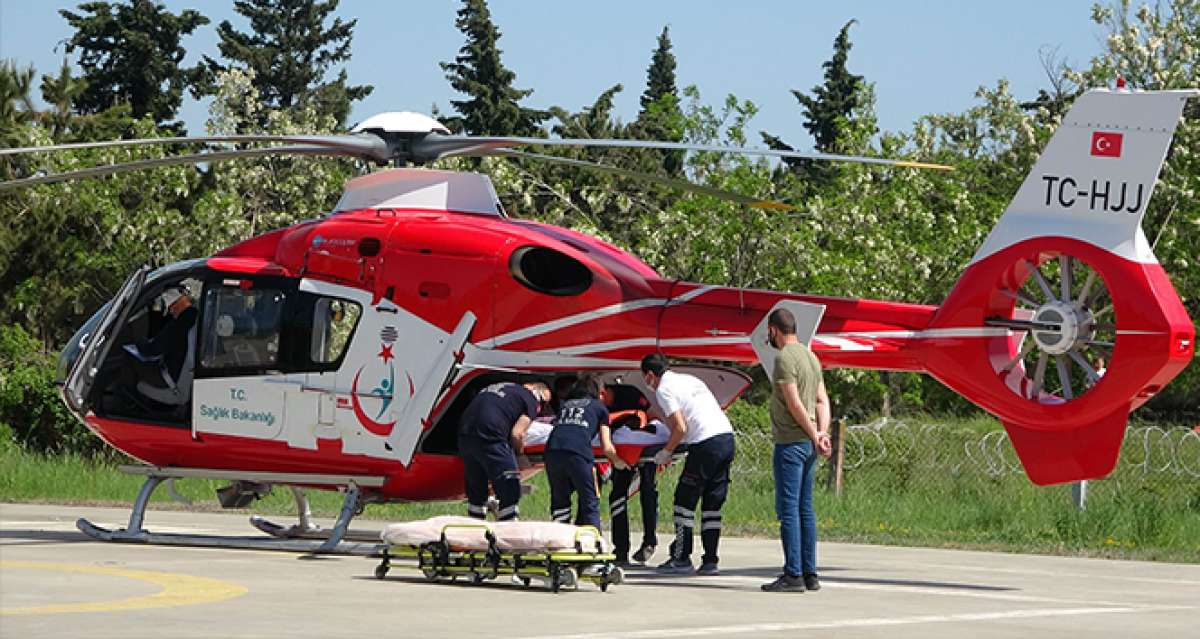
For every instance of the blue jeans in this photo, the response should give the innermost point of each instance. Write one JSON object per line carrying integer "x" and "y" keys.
{"x": 794, "y": 464}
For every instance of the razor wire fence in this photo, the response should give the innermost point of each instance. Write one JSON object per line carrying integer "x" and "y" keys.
{"x": 910, "y": 454}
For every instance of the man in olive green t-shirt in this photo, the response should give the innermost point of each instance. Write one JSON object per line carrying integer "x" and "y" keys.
{"x": 800, "y": 425}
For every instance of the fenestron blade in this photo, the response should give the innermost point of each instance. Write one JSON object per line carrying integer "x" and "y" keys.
{"x": 657, "y": 179}
{"x": 196, "y": 158}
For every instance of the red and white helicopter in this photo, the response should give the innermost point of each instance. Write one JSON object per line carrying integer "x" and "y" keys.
{"x": 339, "y": 353}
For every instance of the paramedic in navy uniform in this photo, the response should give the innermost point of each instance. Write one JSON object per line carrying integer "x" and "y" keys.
{"x": 696, "y": 419}
{"x": 569, "y": 458}
{"x": 490, "y": 436}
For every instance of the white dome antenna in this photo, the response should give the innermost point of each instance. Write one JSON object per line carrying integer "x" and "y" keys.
{"x": 403, "y": 122}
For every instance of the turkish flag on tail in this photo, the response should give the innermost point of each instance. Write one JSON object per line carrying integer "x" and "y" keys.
{"x": 1107, "y": 144}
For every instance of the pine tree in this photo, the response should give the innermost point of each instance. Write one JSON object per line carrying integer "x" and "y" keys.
{"x": 493, "y": 106}
{"x": 827, "y": 109}
{"x": 835, "y": 99}
{"x": 660, "y": 117}
{"x": 660, "y": 77}
{"x": 131, "y": 53}
{"x": 291, "y": 50}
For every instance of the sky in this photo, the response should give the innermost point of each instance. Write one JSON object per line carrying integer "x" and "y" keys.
{"x": 923, "y": 56}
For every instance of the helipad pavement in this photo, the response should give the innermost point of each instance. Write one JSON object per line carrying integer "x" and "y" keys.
{"x": 56, "y": 583}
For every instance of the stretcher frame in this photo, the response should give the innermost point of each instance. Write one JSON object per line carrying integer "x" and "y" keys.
{"x": 558, "y": 568}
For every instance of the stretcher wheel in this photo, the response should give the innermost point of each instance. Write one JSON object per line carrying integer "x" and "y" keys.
{"x": 526, "y": 581}
{"x": 381, "y": 571}
{"x": 567, "y": 577}
{"x": 430, "y": 574}
{"x": 615, "y": 576}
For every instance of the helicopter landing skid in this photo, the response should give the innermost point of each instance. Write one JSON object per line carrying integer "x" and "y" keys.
{"x": 298, "y": 532}
{"x": 322, "y": 542}
{"x": 306, "y": 528}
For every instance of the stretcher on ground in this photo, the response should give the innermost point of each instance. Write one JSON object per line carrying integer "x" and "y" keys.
{"x": 449, "y": 547}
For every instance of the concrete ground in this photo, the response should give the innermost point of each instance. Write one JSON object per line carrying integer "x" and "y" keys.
{"x": 54, "y": 582}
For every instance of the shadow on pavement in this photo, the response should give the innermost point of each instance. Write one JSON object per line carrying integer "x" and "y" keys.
{"x": 42, "y": 537}
{"x": 769, "y": 573}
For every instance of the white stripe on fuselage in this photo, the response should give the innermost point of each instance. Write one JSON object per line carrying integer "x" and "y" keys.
{"x": 839, "y": 341}
{"x": 604, "y": 311}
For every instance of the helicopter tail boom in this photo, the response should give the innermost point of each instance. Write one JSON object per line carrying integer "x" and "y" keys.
{"x": 1062, "y": 324}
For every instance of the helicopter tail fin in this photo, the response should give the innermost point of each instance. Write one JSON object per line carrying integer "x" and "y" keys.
{"x": 1073, "y": 322}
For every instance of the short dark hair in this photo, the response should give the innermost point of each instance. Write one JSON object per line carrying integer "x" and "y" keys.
{"x": 782, "y": 319}
{"x": 564, "y": 384}
{"x": 655, "y": 363}
{"x": 587, "y": 387}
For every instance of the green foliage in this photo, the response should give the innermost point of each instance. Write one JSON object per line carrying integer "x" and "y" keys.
{"x": 67, "y": 247}
{"x": 290, "y": 51}
{"x": 492, "y": 107}
{"x": 32, "y": 415}
{"x": 16, "y": 104}
{"x": 131, "y": 53}
{"x": 861, "y": 231}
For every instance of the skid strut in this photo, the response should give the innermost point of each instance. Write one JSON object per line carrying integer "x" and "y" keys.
{"x": 306, "y": 528}
{"x": 304, "y": 537}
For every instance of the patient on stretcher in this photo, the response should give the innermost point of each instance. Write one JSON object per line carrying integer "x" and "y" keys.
{"x": 655, "y": 433}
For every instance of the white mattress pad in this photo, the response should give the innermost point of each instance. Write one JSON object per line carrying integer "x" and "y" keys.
{"x": 465, "y": 533}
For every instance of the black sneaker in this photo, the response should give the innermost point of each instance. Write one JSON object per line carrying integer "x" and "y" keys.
{"x": 811, "y": 582}
{"x": 785, "y": 583}
{"x": 622, "y": 560}
{"x": 676, "y": 567}
{"x": 644, "y": 554}
{"x": 708, "y": 569}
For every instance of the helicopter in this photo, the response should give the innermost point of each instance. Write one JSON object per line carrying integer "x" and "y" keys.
{"x": 339, "y": 353}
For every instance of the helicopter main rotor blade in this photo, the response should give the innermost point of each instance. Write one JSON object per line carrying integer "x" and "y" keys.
{"x": 365, "y": 145}
{"x": 196, "y": 158}
{"x": 682, "y": 185}
{"x": 436, "y": 145}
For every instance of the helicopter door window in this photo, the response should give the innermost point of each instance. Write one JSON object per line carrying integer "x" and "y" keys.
{"x": 241, "y": 328}
{"x": 333, "y": 323}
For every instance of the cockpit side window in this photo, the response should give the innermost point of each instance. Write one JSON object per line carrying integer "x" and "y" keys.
{"x": 241, "y": 327}
{"x": 333, "y": 324}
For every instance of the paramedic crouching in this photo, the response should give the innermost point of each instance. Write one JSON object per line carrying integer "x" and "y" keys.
{"x": 695, "y": 418}
{"x": 570, "y": 463}
{"x": 490, "y": 436}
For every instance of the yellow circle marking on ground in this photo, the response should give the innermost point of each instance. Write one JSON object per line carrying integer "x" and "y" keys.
{"x": 177, "y": 590}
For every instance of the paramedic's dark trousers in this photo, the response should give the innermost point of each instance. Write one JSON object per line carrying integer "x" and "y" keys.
{"x": 570, "y": 473}
{"x": 494, "y": 462}
{"x": 618, "y": 501}
{"x": 705, "y": 479}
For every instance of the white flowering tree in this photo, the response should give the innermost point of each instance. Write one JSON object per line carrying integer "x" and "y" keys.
{"x": 249, "y": 197}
